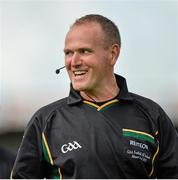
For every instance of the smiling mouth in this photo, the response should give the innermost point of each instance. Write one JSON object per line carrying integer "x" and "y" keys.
{"x": 79, "y": 72}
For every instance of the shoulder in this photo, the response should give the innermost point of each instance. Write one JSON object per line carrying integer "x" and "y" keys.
{"x": 151, "y": 109}
{"x": 42, "y": 115}
{"x": 145, "y": 102}
{"x": 47, "y": 109}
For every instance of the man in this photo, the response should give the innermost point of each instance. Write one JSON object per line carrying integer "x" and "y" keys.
{"x": 100, "y": 130}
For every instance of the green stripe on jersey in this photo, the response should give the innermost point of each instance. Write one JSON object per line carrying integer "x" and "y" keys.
{"x": 45, "y": 152}
{"x": 139, "y": 136}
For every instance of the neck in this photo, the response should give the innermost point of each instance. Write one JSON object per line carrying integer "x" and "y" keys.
{"x": 103, "y": 94}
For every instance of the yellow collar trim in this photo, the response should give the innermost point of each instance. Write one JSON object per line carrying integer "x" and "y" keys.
{"x": 102, "y": 106}
{"x": 106, "y": 104}
{"x": 92, "y": 104}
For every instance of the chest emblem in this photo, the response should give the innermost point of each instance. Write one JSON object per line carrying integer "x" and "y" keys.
{"x": 70, "y": 146}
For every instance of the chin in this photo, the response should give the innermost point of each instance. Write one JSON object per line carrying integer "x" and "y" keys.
{"x": 78, "y": 87}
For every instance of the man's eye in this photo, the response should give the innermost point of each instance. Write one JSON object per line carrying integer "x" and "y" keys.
{"x": 68, "y": 53}
{"x": 84, "y": 51}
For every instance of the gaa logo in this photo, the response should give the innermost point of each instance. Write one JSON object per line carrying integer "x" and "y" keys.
{"x": 70, "y": 146}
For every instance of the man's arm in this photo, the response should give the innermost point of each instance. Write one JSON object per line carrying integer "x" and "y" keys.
{"x": 167, "y": 166}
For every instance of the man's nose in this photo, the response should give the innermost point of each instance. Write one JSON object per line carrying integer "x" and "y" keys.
{"x": 76, "y": 59}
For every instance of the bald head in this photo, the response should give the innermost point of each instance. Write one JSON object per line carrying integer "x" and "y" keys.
{"x": 110, "y": 30}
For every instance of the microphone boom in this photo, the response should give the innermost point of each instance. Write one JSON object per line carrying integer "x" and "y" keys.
{"x": 58, "y": 70}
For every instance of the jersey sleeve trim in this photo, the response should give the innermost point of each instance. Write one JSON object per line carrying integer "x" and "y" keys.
{"x": 156, "y": 153}
{"x": 46, "y": 150}
{"x": 57, "y": 172}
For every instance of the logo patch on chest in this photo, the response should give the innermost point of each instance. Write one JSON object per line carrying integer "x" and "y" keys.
{"x": 138, "y": 151}
{"x": 139, "y": 144}
{"x": 70, "y": 146}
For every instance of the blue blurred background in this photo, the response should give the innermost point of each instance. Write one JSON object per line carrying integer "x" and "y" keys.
{"x": 32, "y": 41}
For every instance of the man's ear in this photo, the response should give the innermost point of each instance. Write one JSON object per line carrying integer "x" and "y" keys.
{"x": 115, "y": 51}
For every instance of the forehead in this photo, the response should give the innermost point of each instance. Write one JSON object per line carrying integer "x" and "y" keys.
{"x": 92, "y": 26}
{"x": 85, "y": 33}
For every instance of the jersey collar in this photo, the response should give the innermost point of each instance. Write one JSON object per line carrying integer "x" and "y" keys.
{"x": 124, "y": 93}
{"x": 75, "y": 97}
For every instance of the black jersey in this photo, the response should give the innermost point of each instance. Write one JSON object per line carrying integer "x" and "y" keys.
{"x": 127, "y": 137}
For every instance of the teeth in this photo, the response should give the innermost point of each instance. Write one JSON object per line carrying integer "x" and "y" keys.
{"x": 78, "y": 73}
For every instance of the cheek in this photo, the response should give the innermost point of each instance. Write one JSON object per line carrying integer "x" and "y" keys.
{"x": 67, "y": 64}
{"x": 100, "y": 64}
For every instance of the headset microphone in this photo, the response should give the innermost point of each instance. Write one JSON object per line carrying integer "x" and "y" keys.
{"x": 58, "y": 70}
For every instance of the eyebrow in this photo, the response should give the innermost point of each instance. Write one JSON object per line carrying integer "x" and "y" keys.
{"x": 67, "y": 50}
{"x": 79, "y": 49}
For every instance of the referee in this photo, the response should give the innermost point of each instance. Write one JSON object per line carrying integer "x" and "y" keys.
{"x": 101, "y": 130}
